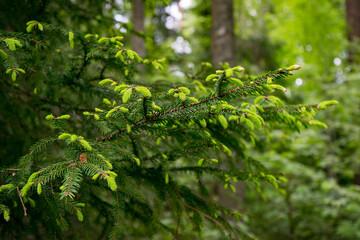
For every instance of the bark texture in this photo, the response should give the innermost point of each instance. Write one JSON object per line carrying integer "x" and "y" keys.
{"x": 353, "y": 33}
{"x": 222, "y": 32}
{"x": 353, "y": 18}
{"x": 138, "y": 43}
{"x": 353, "y": 23}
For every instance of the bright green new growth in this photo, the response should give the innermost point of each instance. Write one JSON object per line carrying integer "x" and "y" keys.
{"x": 32, "y": 177}
{"x": 127, "y": 95}
{"x": 39, "y": 190}
{"x": 143, "y": 144}
{"x": 26, "y": 188}
{"x": 105, "y": 81}
{"x": 64, "y": 136}
{"x": 137, "y": 161}
{"x": 108, "y": 164}
{"x": 95, "y": 176}
{"x": 223, "y": 121}
{"x": 63, "y": 117}
{"x": 144, "y": 91}
{"x": 71, "y": 39}
{"x": 325, "y": 104}
{"x": 111, "y": 183}
{"x": 6, "y": 216}
{"x": 49, "y": 117}
{"x": 31, "y": 24}
{"x": 73, "y": 138}
{"x": 86, "y": 145}
{"x": 200, "y": 162}
{"x": 6, "y": 187}
{"x": 79, "y": 215}
{"x": 12, "y": 43}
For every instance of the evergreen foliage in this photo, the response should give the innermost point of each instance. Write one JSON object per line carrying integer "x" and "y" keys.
{"x": 144, "y": 136}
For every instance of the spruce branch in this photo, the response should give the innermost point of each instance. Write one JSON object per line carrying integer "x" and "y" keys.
{"x": 166, "y": 133}
{"x": 34, "y": 150}
{"x": 276, "y": 74}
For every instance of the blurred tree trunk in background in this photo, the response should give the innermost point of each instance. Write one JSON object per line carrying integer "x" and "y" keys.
{"x": 222, "y": 32}
{"x": 353, "y": 33}
{"x": 138, "y": 43}
{"x": 223, "y": 50}
{"x": 353, "y": 24}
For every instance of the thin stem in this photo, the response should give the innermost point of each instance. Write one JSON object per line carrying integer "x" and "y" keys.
{"x": 22, "y": 202}
{"x": 202, "y": 213}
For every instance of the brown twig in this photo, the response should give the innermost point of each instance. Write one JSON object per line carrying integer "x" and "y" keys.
{"x": 202, "y": 213}
{"x": 177, "y": 227}
{"x": 22, "y": 202}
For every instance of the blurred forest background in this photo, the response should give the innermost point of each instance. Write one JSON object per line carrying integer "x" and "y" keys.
{"x": 322, "y": 198}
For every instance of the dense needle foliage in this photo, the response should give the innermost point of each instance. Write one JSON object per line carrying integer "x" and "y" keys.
{"x": 127, "y": 171}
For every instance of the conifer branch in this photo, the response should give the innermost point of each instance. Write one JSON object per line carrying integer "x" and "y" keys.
{"x": 70, "y": 181}
{"x": 280, "y": 72}
{"x": 28, "y": 156}
{"x": 48, "y": 203}
{"x": 155, "y": 140}
{"x": 85, "y": 59}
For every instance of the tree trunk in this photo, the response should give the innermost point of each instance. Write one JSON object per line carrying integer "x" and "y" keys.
{"x": 223, "y": 50}
{"x": 222, "y": 32}
{"x": 353, "y": 33}
{"x": 353, "y": 24}
{"x": 138, "y": 43}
